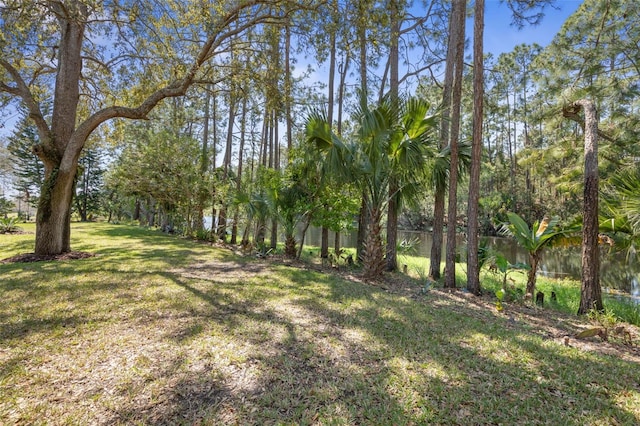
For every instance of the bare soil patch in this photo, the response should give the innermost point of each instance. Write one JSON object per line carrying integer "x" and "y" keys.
{"x": 32, "y": 257}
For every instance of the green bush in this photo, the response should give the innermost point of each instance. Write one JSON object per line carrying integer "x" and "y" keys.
{"x": 9, "y": 225}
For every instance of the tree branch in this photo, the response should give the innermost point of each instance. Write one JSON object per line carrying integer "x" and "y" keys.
{"x": 22, "y": 90}
{"x": 178, "y": 87}
{"x": 572, "y": 113}
{"x": 9, "y": 89}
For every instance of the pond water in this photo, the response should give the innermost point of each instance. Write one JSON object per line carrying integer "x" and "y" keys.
{"x": 616, "y": 271}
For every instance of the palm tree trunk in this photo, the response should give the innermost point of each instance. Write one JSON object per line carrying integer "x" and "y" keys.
{"x": 534, "y": 259}
{"x": 290, "y": 246}
{"x": 373, "y": 254}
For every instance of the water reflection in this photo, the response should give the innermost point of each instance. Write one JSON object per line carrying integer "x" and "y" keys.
{"x": 616, "y": 272}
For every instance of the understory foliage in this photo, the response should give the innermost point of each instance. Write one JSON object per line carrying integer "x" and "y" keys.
{"x": 392, "y": 142}
{"x": 533, "y": 239}
{"x": 156, "y": 170}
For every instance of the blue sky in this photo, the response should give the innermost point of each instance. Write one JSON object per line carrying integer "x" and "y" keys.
{"x": 500, "y": 36}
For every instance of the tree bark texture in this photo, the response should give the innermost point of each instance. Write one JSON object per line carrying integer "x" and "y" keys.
{"x": 243, "y": 135}
{"x": 440, "y": 187}
{"x": 459, "y": 7}
{"x": 373, "y": 254}
{"x": 204, "y": 165}
{"x": 392, "y": 227}
{"x": 473, "y": 267}
{"x": 590, "y": 293}
{"x": 437, "y": 237}
{"x": 394, "y": 89}
{"x": 534, "y": 260}
{"x": 53, "y": 220}
{"x": 324, "y": 243}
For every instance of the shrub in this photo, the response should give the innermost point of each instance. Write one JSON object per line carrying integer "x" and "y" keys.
{"x": 9, "y": 225}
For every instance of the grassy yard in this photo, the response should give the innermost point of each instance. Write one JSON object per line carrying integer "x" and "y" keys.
{"x": 160, "y": 330}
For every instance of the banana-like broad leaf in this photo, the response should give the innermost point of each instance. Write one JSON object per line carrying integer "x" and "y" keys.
{"x": 590, "y": 332}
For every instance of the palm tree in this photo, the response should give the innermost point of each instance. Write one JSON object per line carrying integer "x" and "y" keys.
{"x": 289, "y": 201}
{"x": 534, "y": 240}
{"x": 620, "y": 213}
{"x": 409, "y": 150}
{"x": 390, "y": 143}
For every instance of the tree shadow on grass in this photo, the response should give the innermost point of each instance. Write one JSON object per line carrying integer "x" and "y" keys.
{"x": 525, "y": 376}
{"x": 27, "y": 326}
{"x": 288, "y": 376}
{"x": 227, "y": 343}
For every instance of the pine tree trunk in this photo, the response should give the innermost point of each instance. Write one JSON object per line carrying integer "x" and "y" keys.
{"x": 204, "y": 166}
{"x": 439, "y": 201}
{"x": 243, "y": 129}
{"x": 394, "y": 88}
{"x": 473, "y": 232}
{"x": 437, "y": 235}
{"x": 392, "y": 227}
{"x": 459, "y": 7}
{"x": 590, "y": 293}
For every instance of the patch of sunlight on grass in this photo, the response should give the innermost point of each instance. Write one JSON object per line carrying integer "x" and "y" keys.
{"x": 628, "y": 400}
{"x": 498, "y": 349}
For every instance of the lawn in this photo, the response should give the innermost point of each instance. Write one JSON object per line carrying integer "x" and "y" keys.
{"x": 157, "y": 329}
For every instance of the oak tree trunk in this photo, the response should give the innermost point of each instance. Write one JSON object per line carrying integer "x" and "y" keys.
{"x": 61, "y": 143}
{"x": 53, "y": 220}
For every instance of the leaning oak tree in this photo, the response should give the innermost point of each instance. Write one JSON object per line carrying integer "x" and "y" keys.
{"x": 95, "y": 61}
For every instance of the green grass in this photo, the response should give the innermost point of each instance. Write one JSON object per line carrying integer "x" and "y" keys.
{"x": 567, "y": 291}
{"x": 158, "y": 329}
